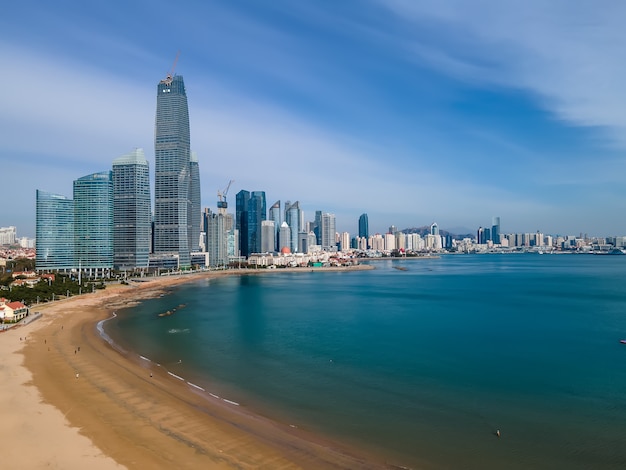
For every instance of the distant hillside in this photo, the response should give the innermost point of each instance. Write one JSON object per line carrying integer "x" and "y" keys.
{"x": 425, "y": 230}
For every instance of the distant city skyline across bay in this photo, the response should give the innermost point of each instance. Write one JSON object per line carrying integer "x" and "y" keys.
{"x": 410, "y": 113}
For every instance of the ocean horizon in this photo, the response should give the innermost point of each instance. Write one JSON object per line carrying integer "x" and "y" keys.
{"x": 421, "y": 365}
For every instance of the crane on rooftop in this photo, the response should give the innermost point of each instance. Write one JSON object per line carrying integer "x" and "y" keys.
{"x": 221, "y": 195}
{"x": 170, "y": 76}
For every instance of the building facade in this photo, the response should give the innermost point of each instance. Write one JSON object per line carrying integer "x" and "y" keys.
{"x": 294, "y": 218}
{"x": 364, "y": 231}
{"x": 172, "y": 202}
{"x": 274, "y": 215}
{"x": 328, "y": 232}
{"x": 216, "y": 234}
{"x": 268, "y": 239}
{"x": 195, "y": 210}
{"x": 93, "y": 223}
{"x": 131, "y": 211}
{"x": 54, "y": 231}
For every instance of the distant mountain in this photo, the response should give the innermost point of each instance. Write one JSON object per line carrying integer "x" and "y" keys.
{"x": 425, "y": 230}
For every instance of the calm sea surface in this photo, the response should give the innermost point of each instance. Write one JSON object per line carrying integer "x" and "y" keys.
{"x": 421, "y": 365}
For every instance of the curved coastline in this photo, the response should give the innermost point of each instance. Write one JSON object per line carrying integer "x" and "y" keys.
{"x": 141, "y": 416}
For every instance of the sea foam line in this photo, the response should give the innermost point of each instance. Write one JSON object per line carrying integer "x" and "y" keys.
{"x": 214, "y": 395}
{"x": 177, "y": 376}
{"x": 145, "y": 358}
{"x": 231, "y": 402}
{"x": 196, "y": 386}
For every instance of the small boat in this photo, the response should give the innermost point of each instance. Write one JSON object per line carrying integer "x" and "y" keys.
{"x": 623, "y": 341}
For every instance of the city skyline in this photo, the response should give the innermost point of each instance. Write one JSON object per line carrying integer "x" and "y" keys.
{"x": 410, "y": 113}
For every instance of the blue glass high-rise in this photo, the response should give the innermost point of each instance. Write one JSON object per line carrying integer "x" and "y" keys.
{"x": 54, "y": 229}
{"x": 131, "y": 211}
{"x": 93, "y": 223}
{"x": 172, "y": 221}
{"x": 364, "y": 231}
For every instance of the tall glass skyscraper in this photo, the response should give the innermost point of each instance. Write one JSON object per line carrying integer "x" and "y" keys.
{"x": 172, "y": 201}
{"x": 131, "y": 211}
{"x": 275, "y": 216}
{"x": 54, "y": 229}
{"x": 364, "y": 231}
{"x": 250, "y": 212}
{"x": 241, "y": 220}
{"x": 195, "y": 211}
{"x": 495, "y": 230}
{"x": 93, "y": 222}
{"x": 293, "y": 217}
{"x": 257, "y": 212}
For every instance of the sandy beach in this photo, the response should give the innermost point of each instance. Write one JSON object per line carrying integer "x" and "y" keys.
{"x": 70, "y": 400}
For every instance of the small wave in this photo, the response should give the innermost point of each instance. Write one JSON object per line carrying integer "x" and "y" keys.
{"x": 175, "y": 331}
{"x": 177, "y": 376}
{"x": 107, "y": 338}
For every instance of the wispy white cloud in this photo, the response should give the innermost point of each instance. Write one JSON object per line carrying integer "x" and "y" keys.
{"x": 569, "y": 54}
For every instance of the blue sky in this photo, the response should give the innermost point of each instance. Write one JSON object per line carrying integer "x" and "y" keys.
{"x": 414, "y": 112}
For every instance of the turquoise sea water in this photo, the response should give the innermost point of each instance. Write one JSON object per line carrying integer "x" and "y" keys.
{"x": 421, "y": 365}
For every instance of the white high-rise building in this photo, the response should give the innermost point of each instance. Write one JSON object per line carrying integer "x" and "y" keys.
{"x": 8, "y": 235}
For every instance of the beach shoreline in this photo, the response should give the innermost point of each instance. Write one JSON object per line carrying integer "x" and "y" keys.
{"x": 133, "y": 413}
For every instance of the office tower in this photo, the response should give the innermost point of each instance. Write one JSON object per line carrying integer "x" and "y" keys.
{"x": 54, "y": 231}
{"x": 250, "y": 212}
{"x": 274, "y": 215}
{"x": 317, "y": 227}
{"x": 268, "y": 239}
{"x": 131, "y": 211}
{"x": 195, "y": 211}
{"x": 434, "y": 229}
{"x": 284, "y": 238}
{"x": 257, "y": 213}
{"x": 172, "y": 221}
{"x": 241, "y": 220}
{"x": 328, "y": 232}
{"x": 216, "y": 237}
{"x": 364, "y": 231}
{"x": 293, "y": 217}
{"x": 393, "y": 229}
{"x": 93, "y": 223}
{"x": 495, "y": 230}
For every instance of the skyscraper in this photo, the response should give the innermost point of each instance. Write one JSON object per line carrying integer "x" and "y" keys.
{"x": 131, "y": 211}
{"x": 284, "y": 238}
{"x": 93, "y": 223}
{"x": 364, "y": 230}
{"x": 172, "y": 201}
{"x": 241, "y": 220}
{"x": 54, "y": 231}
{"x": 495, "y": 230}
{"x": 328, "y": 232}
{"x": 274, "y": 214}
{"x": 268, "y": 239}
{"x": 216, "y": 237}
{"x": 293, "y": 217}
{"x": 257, "y": 213}
{"x": 195, "y": 211}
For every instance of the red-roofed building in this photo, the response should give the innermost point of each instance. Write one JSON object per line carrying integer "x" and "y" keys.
{"x": 11, "y": 312}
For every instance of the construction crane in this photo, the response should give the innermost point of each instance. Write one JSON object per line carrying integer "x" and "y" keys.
{"x": 221, "y": 203}
{"x": 170, "y": 76}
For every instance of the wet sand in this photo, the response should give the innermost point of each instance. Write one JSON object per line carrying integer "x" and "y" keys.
{"x": 92, "y": 405}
